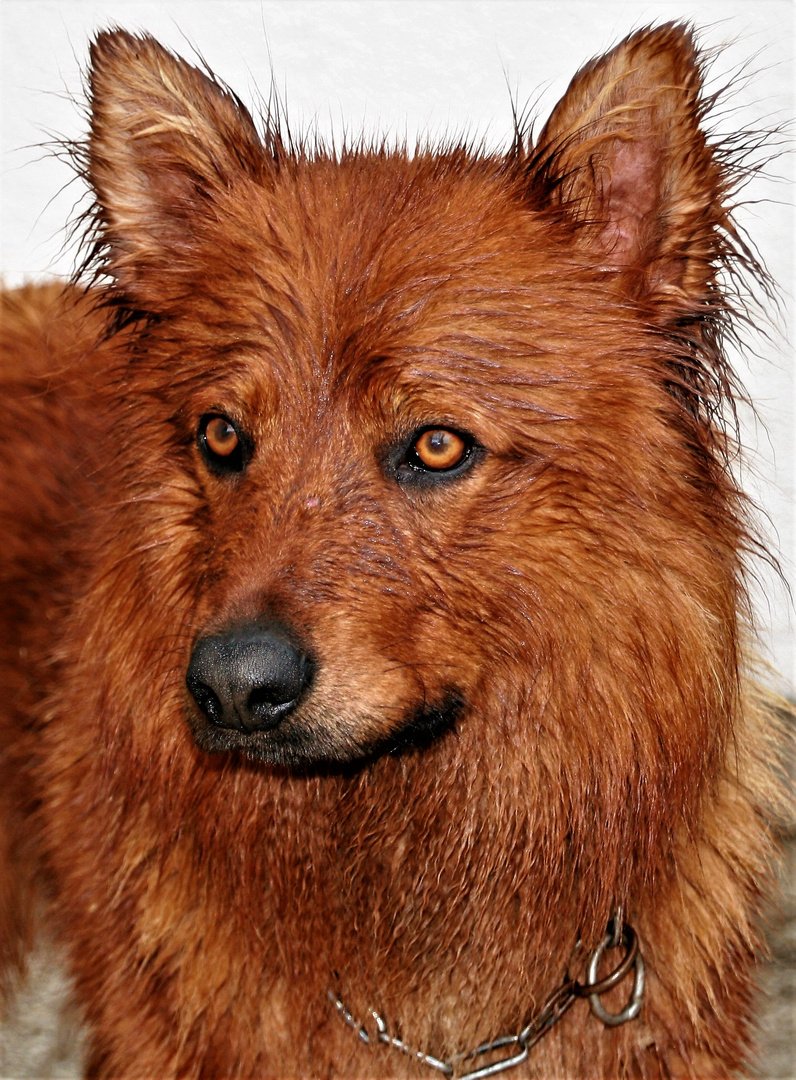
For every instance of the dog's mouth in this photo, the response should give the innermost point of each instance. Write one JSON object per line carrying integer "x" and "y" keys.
{"x": 313, "y": 736}
{"x": 254, "y": 688}
{"x": 257, "y": 688}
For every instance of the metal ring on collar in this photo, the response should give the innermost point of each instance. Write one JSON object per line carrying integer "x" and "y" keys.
{"x": 633, "y": 1007}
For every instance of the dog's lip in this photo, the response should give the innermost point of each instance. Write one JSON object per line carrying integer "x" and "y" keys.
{"x": 299, "y": 740}
{"x": 289, "y": 745}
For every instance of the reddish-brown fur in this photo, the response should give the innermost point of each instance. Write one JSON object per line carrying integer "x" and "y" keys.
{"x": 578, "y": 591}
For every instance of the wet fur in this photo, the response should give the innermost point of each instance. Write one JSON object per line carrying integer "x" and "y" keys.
{"x": 563, "y": 625}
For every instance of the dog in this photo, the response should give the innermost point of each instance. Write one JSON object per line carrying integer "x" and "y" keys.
{"x": 378, "y": 692}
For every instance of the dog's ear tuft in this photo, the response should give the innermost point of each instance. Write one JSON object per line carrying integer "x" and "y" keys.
{"x": 166, "y": 139}
{"x": 624, "y": 158}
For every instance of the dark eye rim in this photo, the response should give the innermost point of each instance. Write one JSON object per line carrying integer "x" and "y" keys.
{"x": 404, "y": 464}
{"x": 229, "y": 464}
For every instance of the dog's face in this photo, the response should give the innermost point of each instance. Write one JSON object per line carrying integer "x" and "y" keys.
{"x": 369, "y": 457}
{"x": 406, "y": 426}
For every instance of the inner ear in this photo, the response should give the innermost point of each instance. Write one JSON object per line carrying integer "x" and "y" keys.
{"x": 631, "y": 175}
{"x": 166, "y": 141}
{"x": 624, "y": 160}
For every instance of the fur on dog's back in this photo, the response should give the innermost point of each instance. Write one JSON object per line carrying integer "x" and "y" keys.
{"x": 529, "y": 702}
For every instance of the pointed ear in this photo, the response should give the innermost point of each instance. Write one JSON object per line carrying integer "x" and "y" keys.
{"x": 166, "y": 140}
{"x": 625, "y": 160}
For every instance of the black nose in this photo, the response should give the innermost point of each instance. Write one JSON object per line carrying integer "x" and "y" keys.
{"x": 250, "y": 678}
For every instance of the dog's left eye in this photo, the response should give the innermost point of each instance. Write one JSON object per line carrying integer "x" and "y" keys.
{"x": 433, "y": 455}
{"x": 223, "y": 445}
{"x": 439, "y": 450}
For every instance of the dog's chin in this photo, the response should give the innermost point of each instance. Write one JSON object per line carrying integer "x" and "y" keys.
{"x": 304, "y": 743}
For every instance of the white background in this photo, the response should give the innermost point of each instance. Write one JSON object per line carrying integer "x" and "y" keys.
{"x": 415, "y": 67}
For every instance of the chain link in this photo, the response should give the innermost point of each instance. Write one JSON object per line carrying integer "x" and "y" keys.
{"x": 557, "y": 1004}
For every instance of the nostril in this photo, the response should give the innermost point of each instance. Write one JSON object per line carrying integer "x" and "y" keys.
{"x": 207, "y": 700}
{"x": 271, "y": 696}
{"x": 265, "y": 710}
{"x": 250, "y": 678}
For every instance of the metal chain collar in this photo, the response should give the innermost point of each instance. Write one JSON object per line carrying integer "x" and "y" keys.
{"x": 517, "y": 1047}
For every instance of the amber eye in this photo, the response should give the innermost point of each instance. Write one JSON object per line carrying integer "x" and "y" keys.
{"x": 432, "y": 456}
{"x": 221, "y": 438}
{"x": 223, "y": 446}
{"x": 440, "y": 449}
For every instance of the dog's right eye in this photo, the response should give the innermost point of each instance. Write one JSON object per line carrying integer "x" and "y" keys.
{"x": 222, "y": 444}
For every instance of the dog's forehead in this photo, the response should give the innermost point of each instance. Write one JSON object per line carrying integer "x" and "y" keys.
{"x": 385, "y": 229}
{"x": 380, "y": 259}
{"x": 388, "y": 282}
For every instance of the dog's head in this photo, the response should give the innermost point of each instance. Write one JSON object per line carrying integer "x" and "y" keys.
{"x": 414, "y": 438}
